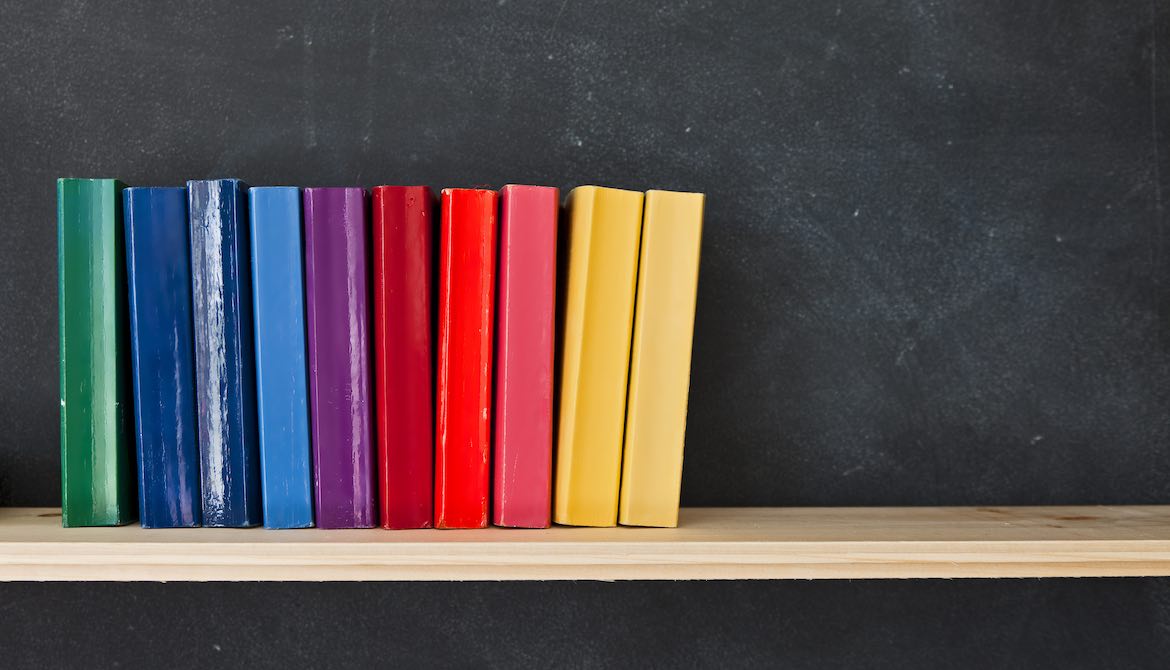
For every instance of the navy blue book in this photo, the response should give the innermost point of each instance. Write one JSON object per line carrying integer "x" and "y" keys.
{"x": 158, "y": 277}
{"x": 225, "y": 370}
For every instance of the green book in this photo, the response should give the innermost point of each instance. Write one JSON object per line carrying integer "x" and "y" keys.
{"x": 98, "y": 486}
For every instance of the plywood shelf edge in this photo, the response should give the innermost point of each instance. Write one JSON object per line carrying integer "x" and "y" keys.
{"x": 710, "y": 543}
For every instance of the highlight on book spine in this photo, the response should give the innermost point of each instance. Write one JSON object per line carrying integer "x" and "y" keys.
{"x": 522, "y": 458}
{"x": 225, "y": 371}
{"x": 605, "y": 225}
{"x": 467, "y": 260}
{"x": 403, "y": 366}
{"x": 158, "y": 270}
{"x": 97, "y": 460}
{"x": 660, "y": 364}
{"x": 339, "y": 341}
{"x": 278, "y": 290}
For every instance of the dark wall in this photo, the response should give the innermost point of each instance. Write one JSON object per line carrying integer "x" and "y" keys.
{"x": 935, "y": 272}
{"x": 934, "y": 625}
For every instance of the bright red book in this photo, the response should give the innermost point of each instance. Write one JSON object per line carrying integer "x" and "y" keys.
{"x": 403, "y": 389}
{"x": 467, "y": 259}
{"x": 522, "y": 462}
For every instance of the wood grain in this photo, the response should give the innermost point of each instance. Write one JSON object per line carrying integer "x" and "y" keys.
{"x": 710, "y": 543}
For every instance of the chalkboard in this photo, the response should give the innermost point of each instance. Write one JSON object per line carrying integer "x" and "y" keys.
{"x": 934, "y": 272}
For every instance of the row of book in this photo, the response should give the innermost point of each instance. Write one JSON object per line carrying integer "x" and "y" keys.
{"x": 231, "y": 356}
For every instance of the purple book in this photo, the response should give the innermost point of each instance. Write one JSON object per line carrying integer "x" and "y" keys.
{"x": 339, "y": 362}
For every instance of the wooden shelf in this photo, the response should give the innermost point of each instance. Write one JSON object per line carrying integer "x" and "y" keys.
{"x": 711, "y": 543}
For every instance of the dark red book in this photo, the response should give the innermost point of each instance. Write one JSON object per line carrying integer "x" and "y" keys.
{"x": 467, "y": 260}
{"x": 403, "y": 366}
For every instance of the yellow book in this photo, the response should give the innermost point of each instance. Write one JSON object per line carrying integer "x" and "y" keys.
{"x": 660, "y": 369}
{"x": 604, "y": 227}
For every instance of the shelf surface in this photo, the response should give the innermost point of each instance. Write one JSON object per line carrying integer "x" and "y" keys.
{"x": 710, "y": 543}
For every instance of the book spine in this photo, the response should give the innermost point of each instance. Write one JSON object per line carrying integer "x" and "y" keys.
{"x": 403, "y": 367}
{"x": 97, "y": 461}
{"x": 463, "y": 408}
{"x": 605, "y": 227}
{"x": 338, "y": 320}
{"x": 281, "y": 377}
{"x": 158, "y": 270}
{"x": 660, "y": 363}
{"x": 225, "y": 371}
{"x": 522, "y": 460}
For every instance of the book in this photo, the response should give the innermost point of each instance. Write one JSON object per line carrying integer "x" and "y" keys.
{"x": 467, "y": 258}
{"x": 660, "y": 362}
{"x": 604, "y": 229}
{"x": 225, "y": 370}
{"x": 403, "y": 365}
{"x": 162, "y": 351}
{"x": 97, "y": 454}
{"x": 337, "y": 303}
{"x": 525, "y": 333}
{"x": 278, "y": 303}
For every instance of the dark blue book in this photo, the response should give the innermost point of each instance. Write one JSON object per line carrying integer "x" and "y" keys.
{"x": 278, "y": 290}
{"x": 158, "y": 273}
{"x": 225, "y": 371}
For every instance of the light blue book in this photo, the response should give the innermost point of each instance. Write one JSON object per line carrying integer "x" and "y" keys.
{"x": 278, "y": 301}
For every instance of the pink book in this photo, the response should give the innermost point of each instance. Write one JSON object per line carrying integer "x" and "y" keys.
{"x": 522, "y": 466}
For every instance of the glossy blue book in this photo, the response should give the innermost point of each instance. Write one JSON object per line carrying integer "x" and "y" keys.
{"x": 158, "y": 273}
{"x": 225, "y": 371}
{"x": 278, "y": 301}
